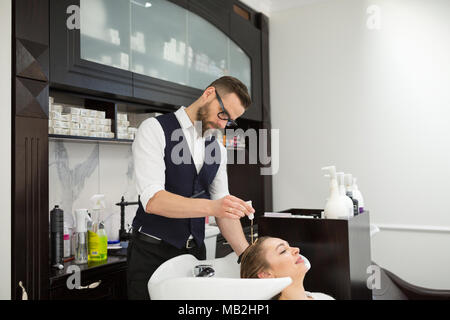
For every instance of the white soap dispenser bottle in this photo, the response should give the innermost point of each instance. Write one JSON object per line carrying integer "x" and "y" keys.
{"x": 358, "y": 195}
{"x": 335, "y": 207}
{"x": 348, "y": 201}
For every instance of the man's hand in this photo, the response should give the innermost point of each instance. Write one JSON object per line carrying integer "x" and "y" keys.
{"x": 231, "y": 207}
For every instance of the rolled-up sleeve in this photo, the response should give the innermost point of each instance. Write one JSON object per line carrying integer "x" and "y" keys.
{"x": 219, "y": 187}
{"x": 148, "y": 155}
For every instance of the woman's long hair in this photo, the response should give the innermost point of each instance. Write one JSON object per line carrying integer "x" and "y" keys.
{"x": 253, "y": 261}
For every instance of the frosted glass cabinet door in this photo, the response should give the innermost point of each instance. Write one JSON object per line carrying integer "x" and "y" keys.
{"x": 240, "y": 65}
{"x": 208, "y": 54}
{"x": 105, "y": 32}
{"x": 159, "y": 40}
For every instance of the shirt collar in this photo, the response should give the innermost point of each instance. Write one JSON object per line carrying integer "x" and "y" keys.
{"x": 185, "y": 121}
{"x": 183, "y": 118}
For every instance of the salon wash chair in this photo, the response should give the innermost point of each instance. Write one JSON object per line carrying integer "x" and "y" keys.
{"x": 394, "y": 288}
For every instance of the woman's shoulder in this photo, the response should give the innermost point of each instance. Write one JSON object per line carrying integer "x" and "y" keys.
{"x": 320, "y": 296}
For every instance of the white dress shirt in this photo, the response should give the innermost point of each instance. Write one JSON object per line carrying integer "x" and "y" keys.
{"x": 148, "y": 154}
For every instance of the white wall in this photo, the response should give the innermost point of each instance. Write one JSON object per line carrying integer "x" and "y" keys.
{"x": 374, "y": 103}
{"x": 5, "y": 138}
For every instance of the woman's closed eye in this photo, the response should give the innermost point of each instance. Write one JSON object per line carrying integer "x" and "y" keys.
{"x": 283, "y": 246}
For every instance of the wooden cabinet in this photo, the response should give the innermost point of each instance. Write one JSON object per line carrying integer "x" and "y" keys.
{"x": 69, "y": 70}
{"x": 338, "y": 249}
{"x": 107, "y": 281}
{"x": 248, "y": 38}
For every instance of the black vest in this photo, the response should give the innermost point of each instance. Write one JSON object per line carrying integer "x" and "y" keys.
{"x": 181, "y": 179}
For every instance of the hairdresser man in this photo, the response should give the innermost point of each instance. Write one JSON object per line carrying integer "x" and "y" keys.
{"x": 176, "y": 196}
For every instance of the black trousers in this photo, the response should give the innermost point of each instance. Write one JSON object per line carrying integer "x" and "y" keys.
{"x": 144, "y": 258}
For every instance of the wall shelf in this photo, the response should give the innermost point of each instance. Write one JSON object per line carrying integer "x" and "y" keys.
{"x": 57, "y": 137}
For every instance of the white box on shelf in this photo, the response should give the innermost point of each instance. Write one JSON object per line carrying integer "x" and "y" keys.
{"x": 122, "y": 130}
{"x": 55, "y": 115}
{"x": 66, "y": 117}
{"x": 85, "y": 112}
{"x": 123, "y": 123}
{"x": 104, "y": 128}
{"x": 61, "y": 131}
{"x": 74, "y": 132}
{"x": 95, "y": 134}
{"x": 124, "y": 136}
{"x": 72, "y": 110}
{"x": 132, "y": 130}
{"x": 85, "y": 126}
{"x": 101, "y": 114}
{"x": 56, "y": 107}
{"x": 122, "y": 116}
{"x": 104, "y": 122}
{"x": 61, "y": 124}
{"x": 88, "y": 120}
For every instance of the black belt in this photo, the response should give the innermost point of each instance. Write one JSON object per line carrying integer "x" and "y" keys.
{"x": 190, "y": 243}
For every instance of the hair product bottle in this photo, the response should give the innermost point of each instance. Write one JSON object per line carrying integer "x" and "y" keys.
{"x": 348, "y": 201}
{"x": 349, "y": 192}
{"x": 57, "y": 236}
{"x": 335, "y": 207}
{"x": 358, "y": 195}
{"x": 81, "y": 245}
{"x": 97, "y": 239}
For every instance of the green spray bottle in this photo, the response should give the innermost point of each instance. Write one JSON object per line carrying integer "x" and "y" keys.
{"x": 97, "y": 238}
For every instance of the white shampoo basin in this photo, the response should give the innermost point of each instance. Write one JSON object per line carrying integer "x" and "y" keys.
{"x": 174, "y": 280}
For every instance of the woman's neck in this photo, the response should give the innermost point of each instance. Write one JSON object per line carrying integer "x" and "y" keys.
{"x": 295, "y": 291}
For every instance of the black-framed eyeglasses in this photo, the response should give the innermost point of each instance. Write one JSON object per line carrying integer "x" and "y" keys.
{"x": 224, "y": 115}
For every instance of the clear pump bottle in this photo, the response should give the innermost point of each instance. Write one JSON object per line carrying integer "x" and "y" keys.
{"x": 81, "y": 241}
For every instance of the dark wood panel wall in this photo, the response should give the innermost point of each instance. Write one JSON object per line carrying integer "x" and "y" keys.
{"x": 263, "y": 22}
{"x": 30, "y": 148}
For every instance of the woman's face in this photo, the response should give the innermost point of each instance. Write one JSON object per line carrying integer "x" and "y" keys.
{"x": 284, "y": 261}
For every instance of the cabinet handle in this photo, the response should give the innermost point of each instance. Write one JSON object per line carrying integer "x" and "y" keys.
{"x": 225, "y": 243}
{"x": 91, "y": 286}
{"x": 24, "y": 292}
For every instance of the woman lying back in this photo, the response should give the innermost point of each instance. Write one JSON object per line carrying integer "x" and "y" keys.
{"x": 274, "y": 258}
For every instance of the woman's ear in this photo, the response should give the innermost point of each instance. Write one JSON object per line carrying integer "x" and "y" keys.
{"x": 265, "y": 275}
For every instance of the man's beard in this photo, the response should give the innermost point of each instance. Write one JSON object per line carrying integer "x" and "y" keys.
{"x": 202, "y": 115}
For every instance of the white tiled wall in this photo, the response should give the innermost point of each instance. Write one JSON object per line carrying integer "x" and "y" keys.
{"x": 78, "y": 170}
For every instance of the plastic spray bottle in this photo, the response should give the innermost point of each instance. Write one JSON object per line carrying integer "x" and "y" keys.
{"x": 335, "y": 207}
{"x": 348, "y": 201}
{"x": 98, "y": 240}
{"x": 357, "y": 194}
{"x": 349, "y": 192}
{"x": 81, "y": 240}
